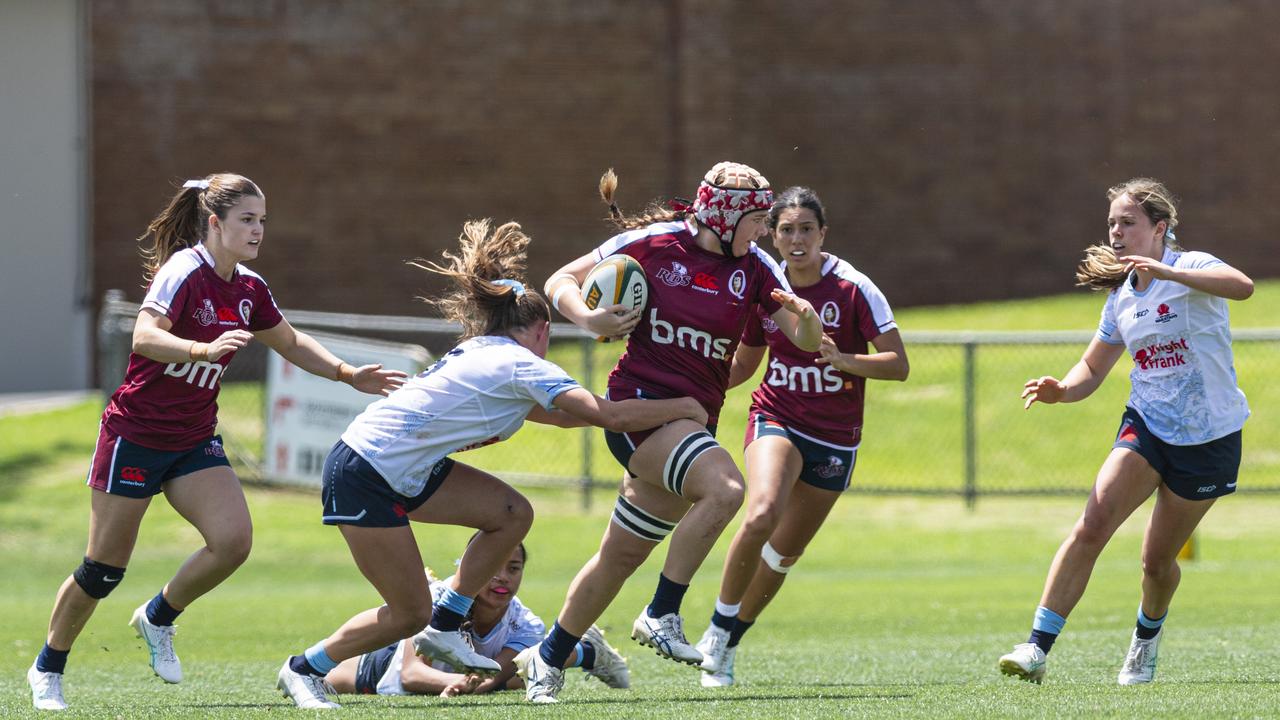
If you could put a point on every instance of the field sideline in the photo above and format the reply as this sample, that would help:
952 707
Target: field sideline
900 609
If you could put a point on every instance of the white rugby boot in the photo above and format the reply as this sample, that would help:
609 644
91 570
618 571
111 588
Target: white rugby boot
666 635
159 640
451 647
1140 662
611 668
46 689
714 643
541 681
306 691
724 676
1026 661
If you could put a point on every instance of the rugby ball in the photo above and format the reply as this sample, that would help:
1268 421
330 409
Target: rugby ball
616 280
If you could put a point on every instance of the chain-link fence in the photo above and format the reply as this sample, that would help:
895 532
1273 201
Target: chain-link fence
956 427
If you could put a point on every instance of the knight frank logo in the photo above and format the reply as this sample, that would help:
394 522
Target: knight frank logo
1161 355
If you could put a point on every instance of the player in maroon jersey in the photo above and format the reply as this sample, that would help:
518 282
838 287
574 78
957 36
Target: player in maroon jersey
805 421
706 278
157 432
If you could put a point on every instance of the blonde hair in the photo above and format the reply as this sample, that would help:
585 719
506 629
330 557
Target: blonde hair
653 213
182 223
1100 269
480 304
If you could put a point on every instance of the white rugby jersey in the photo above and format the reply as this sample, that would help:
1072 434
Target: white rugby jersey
476 394
518 629
1184 377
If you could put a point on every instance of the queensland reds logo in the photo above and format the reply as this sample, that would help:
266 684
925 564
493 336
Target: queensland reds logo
830 314
246 310
769 325
205 314
677 276
833 468
738 283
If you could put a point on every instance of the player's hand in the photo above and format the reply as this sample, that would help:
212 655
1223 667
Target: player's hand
374 380
228 342
829 353
694 411
794 304
464 686
1151 266
1047 390
613 322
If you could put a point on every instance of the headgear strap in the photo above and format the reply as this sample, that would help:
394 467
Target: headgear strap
720 208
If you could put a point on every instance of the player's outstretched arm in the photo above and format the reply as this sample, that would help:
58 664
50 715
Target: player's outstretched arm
307 353
1223 280
564 290
1081 380
626 415
798 321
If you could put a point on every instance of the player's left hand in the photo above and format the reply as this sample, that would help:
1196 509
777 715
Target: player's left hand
1151 266
374 380
795 305
465 686
829 352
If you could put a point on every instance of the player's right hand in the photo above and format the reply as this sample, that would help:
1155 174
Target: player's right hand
229 341
1047 390
613 322
694 411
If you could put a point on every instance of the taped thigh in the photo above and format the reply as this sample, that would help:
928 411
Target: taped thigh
689 449
636 521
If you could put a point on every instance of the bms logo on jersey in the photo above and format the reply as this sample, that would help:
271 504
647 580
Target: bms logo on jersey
664 333
804 379
201 374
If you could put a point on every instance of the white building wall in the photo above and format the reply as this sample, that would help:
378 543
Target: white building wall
45 327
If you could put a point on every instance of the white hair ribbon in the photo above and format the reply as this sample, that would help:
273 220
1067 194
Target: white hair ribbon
202 184
1169 234
513 284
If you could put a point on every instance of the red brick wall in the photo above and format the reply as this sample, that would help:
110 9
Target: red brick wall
962 148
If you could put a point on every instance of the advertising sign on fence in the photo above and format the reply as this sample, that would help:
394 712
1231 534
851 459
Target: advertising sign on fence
306 414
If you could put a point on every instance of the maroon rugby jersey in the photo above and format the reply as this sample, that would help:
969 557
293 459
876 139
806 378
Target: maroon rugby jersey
173 406
819 400
699 302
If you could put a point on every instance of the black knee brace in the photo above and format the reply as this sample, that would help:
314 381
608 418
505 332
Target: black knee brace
97 579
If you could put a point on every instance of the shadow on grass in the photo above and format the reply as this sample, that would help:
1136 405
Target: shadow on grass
19 468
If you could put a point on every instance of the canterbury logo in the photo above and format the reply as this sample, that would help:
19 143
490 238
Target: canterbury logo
133 474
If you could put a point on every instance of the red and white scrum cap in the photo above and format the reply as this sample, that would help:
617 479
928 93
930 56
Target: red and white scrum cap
727 192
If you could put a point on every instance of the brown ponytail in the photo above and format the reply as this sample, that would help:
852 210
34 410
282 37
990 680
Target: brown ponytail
654 213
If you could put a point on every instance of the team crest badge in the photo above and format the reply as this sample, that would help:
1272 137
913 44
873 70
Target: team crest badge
830 314
677 276
246 309
205 314
738 283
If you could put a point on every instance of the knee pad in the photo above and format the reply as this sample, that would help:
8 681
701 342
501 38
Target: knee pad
97 579
776 561
640 523
682 457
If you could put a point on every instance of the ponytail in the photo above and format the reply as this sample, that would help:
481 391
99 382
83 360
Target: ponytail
654 213
182 224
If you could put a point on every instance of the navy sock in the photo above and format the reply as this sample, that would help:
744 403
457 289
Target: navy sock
557 646
1043 639
442 618
667 598
299 664
586 655
740 628
724 622
50 660
160 612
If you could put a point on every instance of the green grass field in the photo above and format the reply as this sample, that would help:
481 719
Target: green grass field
899 609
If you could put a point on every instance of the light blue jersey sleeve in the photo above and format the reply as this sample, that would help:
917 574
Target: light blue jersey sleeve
528 630
1196 260
1108 332
541 381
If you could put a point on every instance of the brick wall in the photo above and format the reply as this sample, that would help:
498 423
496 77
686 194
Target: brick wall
962 148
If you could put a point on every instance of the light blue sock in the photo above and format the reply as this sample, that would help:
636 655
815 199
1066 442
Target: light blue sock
1048 621
319 659
451 600
1148 628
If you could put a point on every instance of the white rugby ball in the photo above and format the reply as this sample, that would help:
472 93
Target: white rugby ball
616 280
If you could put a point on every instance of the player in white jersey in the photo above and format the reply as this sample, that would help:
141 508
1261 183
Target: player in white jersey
158 430
392 465
499 627
1179 437
805 422
706 278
